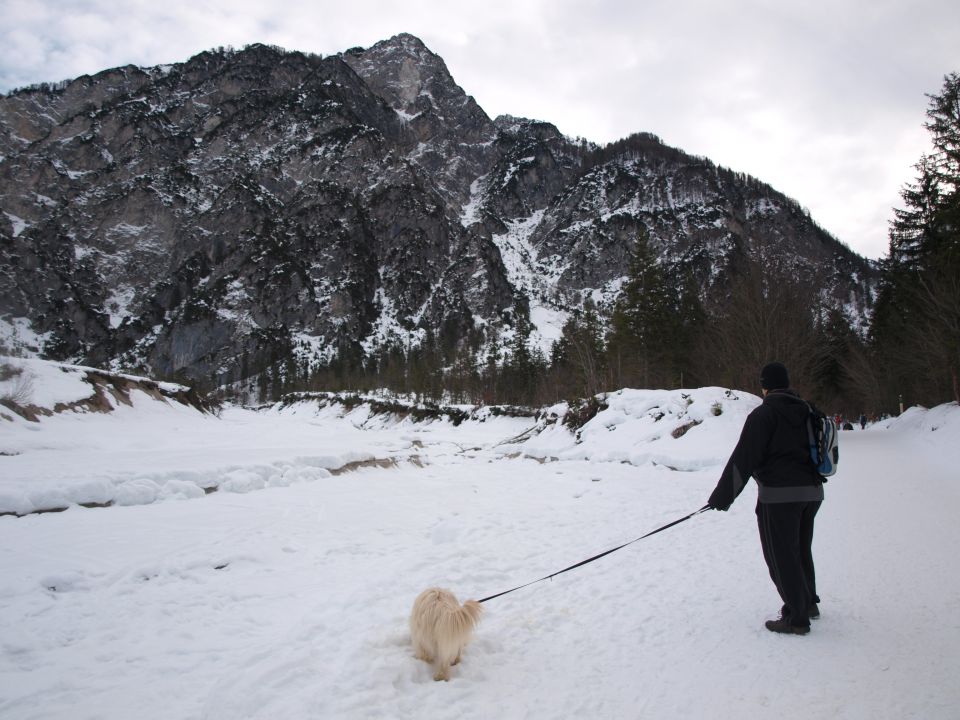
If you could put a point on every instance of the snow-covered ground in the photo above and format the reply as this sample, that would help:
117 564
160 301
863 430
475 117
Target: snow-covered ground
285 593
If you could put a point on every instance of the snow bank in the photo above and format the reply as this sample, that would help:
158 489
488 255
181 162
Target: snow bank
680 429
935 432
919 420
148 449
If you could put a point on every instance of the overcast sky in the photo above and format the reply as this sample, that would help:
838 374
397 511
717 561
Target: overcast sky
823 100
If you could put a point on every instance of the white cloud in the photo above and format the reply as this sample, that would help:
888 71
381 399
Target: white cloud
823 100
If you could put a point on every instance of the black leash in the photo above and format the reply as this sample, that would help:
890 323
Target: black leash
597 557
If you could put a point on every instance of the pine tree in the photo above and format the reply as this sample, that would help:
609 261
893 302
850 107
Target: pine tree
912 232
524 368
831 362
916 324
689 324
520 364
491 371
578 357
641 323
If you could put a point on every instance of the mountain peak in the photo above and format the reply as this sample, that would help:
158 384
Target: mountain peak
406 41
402 44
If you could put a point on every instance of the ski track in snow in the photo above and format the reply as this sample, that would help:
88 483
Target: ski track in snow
292 602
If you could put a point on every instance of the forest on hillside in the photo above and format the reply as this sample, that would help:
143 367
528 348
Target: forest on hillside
660 335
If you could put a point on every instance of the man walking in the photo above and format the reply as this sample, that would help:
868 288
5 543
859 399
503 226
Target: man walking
774 449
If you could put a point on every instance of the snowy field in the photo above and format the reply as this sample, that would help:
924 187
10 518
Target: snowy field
263 565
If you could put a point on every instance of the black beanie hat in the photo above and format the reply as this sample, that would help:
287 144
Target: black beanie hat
774 377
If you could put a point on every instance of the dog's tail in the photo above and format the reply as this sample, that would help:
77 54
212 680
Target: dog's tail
473 610
461 621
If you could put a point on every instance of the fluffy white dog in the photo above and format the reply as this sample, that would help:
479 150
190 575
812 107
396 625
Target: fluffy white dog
441 627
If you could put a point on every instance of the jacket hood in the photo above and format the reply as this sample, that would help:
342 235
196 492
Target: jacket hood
788 405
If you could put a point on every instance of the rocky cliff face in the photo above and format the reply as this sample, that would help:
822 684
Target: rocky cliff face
243 208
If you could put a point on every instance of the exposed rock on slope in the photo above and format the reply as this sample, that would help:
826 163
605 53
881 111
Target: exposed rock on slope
246 209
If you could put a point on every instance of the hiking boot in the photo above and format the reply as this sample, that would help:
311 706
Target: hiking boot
783 626
814 612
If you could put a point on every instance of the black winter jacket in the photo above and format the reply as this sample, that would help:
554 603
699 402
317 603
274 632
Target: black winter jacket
774 449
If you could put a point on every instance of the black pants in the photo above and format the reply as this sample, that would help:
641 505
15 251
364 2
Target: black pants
786 536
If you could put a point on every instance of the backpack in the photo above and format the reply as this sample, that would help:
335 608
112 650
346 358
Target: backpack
822 437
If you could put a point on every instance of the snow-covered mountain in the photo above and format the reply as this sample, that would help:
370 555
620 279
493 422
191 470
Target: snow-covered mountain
246 208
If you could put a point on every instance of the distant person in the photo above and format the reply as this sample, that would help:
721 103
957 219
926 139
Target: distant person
863 421
773 448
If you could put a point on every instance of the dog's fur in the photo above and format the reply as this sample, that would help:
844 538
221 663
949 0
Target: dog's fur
441 628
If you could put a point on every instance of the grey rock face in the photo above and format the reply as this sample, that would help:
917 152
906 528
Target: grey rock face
241 209
448 134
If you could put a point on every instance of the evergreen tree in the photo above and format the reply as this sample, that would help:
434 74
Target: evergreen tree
912 232
830 369
689 325
578 358
461 379
916 324
524 368
491 370
641 324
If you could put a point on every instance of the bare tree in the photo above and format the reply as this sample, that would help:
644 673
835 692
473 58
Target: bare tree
768 316
19 382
